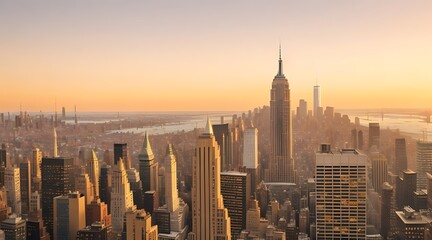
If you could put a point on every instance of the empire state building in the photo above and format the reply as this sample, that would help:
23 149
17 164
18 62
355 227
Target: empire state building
281 164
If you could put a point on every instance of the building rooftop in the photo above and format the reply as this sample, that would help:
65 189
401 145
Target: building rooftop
234 173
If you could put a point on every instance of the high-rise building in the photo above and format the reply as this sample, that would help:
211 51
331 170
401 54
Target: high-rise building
85 187
121 196
138 225
13 191
223 137
25 186
105 184
250 156
95 231
423 162
317 99
429 190
302 111
374 136
341 194
401 162
136 187
14 228
235 192
411 224
210 218
3 204
148 168
69 215
121 151
93 169
172 217
379 171
35 225
405 188
3 164
97 211
387 210
281 164
56 180
35 170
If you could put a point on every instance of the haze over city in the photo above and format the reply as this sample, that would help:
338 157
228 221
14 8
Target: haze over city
207 56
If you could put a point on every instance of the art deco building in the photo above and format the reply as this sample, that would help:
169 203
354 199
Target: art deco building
281 164
341 194
210 218
92 169
171 218
148 168
121 197
84 186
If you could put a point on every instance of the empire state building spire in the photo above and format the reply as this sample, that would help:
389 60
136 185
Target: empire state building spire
280 72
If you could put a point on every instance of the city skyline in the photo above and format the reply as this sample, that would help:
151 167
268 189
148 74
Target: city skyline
168 56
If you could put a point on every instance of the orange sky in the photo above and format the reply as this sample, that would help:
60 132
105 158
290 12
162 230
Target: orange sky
165 56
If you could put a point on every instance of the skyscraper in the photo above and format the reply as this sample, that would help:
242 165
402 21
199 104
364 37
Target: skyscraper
25 186
281 164
317 99
3 163
209 216
387 210
13 191
121 196
401 155
138 225
85 187
148 168
69 215
35 168
302 109
105 185
250 156
97 211
235 192
172 217
423 162
223 137
379 171
405 188
56 181
374 136
93 169
341 194
121 151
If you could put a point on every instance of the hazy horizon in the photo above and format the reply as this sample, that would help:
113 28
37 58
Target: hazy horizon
195 56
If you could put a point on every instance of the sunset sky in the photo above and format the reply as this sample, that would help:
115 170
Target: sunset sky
213 55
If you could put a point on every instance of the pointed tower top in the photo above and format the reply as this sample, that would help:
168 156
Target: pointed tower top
169 150
146 151
280 71
208 130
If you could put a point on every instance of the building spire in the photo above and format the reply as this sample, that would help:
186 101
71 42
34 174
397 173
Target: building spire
280 72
